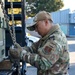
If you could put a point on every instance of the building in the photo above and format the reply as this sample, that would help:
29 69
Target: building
66 20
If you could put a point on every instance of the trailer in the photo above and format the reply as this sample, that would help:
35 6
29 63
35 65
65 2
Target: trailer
6 38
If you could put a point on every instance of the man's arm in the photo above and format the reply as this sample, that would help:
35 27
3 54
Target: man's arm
47 56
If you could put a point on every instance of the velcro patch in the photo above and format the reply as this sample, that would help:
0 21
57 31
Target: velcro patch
47 49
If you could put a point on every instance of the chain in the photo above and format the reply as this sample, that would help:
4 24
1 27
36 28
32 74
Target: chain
12 32
13 21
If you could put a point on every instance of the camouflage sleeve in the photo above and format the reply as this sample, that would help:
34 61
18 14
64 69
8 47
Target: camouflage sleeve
33 48
47 55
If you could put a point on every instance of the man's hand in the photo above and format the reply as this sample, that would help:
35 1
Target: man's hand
16 51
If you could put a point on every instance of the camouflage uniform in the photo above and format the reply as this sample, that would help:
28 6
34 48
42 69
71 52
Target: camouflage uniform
50 54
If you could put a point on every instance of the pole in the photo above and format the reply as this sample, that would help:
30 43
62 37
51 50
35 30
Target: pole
23 35
23 24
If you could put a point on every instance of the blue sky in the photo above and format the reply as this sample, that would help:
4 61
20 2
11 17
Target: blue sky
69 4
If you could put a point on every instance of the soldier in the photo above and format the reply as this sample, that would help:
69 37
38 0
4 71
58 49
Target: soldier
50 54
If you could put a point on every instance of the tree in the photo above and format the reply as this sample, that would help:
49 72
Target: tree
47 5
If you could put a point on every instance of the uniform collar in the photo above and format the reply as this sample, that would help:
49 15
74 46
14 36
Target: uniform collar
53 29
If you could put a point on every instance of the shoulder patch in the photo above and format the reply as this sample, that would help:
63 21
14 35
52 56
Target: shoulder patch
47 49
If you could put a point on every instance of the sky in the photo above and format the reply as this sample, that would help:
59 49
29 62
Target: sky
69 4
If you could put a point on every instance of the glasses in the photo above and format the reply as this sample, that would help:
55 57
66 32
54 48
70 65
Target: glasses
36 25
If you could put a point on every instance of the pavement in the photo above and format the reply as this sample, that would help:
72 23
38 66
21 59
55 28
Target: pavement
71 42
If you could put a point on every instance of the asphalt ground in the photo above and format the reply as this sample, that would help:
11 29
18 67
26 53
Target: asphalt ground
71 43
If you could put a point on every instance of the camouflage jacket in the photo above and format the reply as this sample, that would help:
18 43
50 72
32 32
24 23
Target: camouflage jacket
50 54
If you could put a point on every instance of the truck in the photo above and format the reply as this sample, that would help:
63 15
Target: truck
6 39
